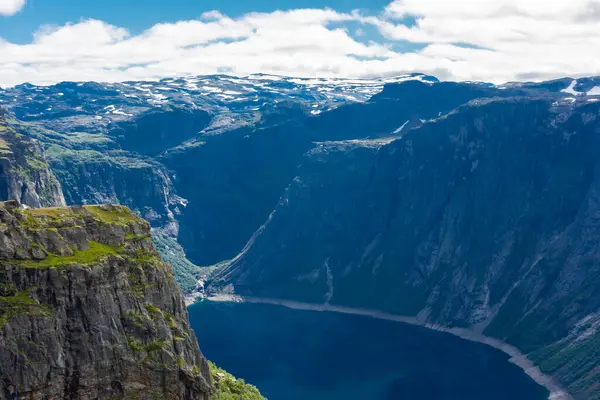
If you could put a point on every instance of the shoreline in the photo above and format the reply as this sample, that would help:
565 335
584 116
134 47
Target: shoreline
557 392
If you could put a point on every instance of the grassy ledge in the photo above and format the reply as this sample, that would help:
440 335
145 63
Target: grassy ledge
97 252
114 215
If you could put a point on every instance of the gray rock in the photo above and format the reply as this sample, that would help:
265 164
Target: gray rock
24 173
89 311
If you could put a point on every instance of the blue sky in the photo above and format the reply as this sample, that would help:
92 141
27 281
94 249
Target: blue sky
138 15
47 41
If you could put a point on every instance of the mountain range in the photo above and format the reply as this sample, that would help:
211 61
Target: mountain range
464 204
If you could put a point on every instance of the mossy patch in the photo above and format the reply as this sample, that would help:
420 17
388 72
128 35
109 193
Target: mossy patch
137 318
230 388
96 253
154 311
4 148
134 238
149 347
139 291
108 214
20 304
144 256
170 320
53 212
113 214
36 163
36 219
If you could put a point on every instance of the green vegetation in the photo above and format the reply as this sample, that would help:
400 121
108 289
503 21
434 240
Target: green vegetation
4 147
139 291
576 362
55 218
144 256
156 312
187 273
96 253
113 214
170 320
230 388
35 162
63 154
137 318
153 310
20 304
51 212
149 347
133 237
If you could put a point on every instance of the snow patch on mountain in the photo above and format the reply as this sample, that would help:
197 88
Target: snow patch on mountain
571 88
595 91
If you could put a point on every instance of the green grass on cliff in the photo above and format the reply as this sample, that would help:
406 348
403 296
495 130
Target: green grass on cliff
3 145
20 304
114 215
230 388
148 347
106 214
97 252
51 218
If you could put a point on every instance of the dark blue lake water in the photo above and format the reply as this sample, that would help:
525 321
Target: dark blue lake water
293 355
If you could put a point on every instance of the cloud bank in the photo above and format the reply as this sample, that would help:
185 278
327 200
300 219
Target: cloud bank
11 7
484 40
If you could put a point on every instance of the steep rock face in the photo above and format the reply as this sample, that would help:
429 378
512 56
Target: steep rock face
89 311
234 180
486 218
228 146
24 173
157 131
104 177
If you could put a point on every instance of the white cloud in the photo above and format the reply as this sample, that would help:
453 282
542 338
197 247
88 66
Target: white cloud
11 7
508 39
487 40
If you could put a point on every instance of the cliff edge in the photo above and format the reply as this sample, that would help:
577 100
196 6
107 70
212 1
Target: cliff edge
89 311
25 174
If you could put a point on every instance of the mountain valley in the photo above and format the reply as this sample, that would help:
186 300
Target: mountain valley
465 205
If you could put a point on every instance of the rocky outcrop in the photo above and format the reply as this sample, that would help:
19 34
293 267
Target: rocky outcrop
89 311
24 173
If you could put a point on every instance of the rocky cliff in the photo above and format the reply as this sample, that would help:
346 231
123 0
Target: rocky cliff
24 173
465 204
89 311
486 218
